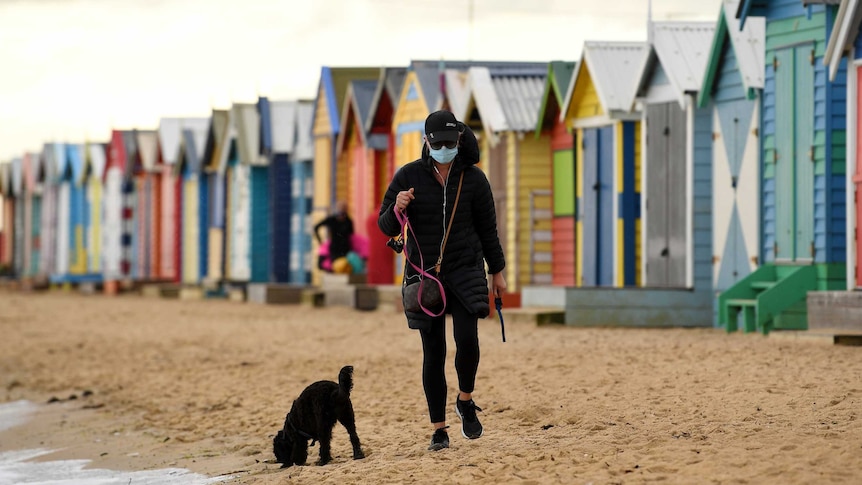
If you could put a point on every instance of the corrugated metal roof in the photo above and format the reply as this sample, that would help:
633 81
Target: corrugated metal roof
614 67
283 118
212 153
133 159
53 160
194 133
5 179
363 94
749 45
227 139
148 148
169 139
17 173
304 149
387 94
683 50
97 159
263 109
508 98
843 35
247 124
75 155
458 92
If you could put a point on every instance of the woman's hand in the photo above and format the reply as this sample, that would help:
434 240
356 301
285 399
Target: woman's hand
403 199
498 284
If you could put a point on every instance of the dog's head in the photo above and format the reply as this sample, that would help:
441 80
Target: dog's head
282 446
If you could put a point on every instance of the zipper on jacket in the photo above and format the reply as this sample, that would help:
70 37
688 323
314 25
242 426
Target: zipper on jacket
445 194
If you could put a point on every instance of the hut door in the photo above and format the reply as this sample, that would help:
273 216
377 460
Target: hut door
666 196
597 210
857 177
497 179
794 157
735 179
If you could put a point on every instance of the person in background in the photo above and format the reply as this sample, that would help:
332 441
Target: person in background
425 191
339 227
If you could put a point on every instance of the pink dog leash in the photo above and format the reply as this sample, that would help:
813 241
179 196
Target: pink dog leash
406 226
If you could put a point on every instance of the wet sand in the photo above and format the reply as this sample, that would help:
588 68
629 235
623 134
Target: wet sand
204 385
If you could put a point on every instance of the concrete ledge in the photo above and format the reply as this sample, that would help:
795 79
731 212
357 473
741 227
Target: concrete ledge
834 310
313 297
275 293
638 307
828 336
535 315
191 293
543 296
389 299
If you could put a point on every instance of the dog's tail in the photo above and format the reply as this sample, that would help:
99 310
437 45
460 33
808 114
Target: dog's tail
345 379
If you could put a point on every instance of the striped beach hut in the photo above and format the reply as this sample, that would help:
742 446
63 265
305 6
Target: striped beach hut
502 110
219 142
550 124
598 108
845 42
732 86
189 171
148 197
803 198
677 167
330 176
94 173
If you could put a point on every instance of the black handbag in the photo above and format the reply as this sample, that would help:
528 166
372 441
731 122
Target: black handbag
431 296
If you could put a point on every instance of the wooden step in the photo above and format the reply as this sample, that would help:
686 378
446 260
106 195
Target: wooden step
741 302
763 285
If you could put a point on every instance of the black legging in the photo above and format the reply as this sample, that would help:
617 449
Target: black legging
465 327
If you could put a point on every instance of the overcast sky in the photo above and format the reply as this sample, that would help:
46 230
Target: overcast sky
71 70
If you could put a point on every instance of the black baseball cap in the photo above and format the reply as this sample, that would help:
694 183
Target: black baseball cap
441 126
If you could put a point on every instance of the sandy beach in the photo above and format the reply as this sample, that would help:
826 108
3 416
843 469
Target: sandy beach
142 383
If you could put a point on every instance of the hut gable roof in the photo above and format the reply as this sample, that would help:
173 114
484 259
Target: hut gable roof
613 68
749 47
682 51
844 33
553 93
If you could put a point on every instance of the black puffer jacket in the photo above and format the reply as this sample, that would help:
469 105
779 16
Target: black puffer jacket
473 238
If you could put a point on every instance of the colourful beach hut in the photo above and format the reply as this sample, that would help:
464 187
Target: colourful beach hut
218 145
148 200
77 202
803 189
94 173
189 171
54 231
246 172
118 208
7 219
20 227
502 109
599 111
732 86
677 167
170 197
550 124
380 267
845 42
33 177
330 177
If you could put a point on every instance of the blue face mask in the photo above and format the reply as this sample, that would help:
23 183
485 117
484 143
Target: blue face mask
443 155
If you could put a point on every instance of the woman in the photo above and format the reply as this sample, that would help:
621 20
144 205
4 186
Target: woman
426 191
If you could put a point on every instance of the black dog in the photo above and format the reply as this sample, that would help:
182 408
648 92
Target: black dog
313 416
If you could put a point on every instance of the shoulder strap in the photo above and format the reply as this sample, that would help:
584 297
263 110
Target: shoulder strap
449 227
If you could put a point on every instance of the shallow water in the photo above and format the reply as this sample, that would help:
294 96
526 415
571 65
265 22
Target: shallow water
17 467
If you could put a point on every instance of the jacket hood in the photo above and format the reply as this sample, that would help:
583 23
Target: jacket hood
468 149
